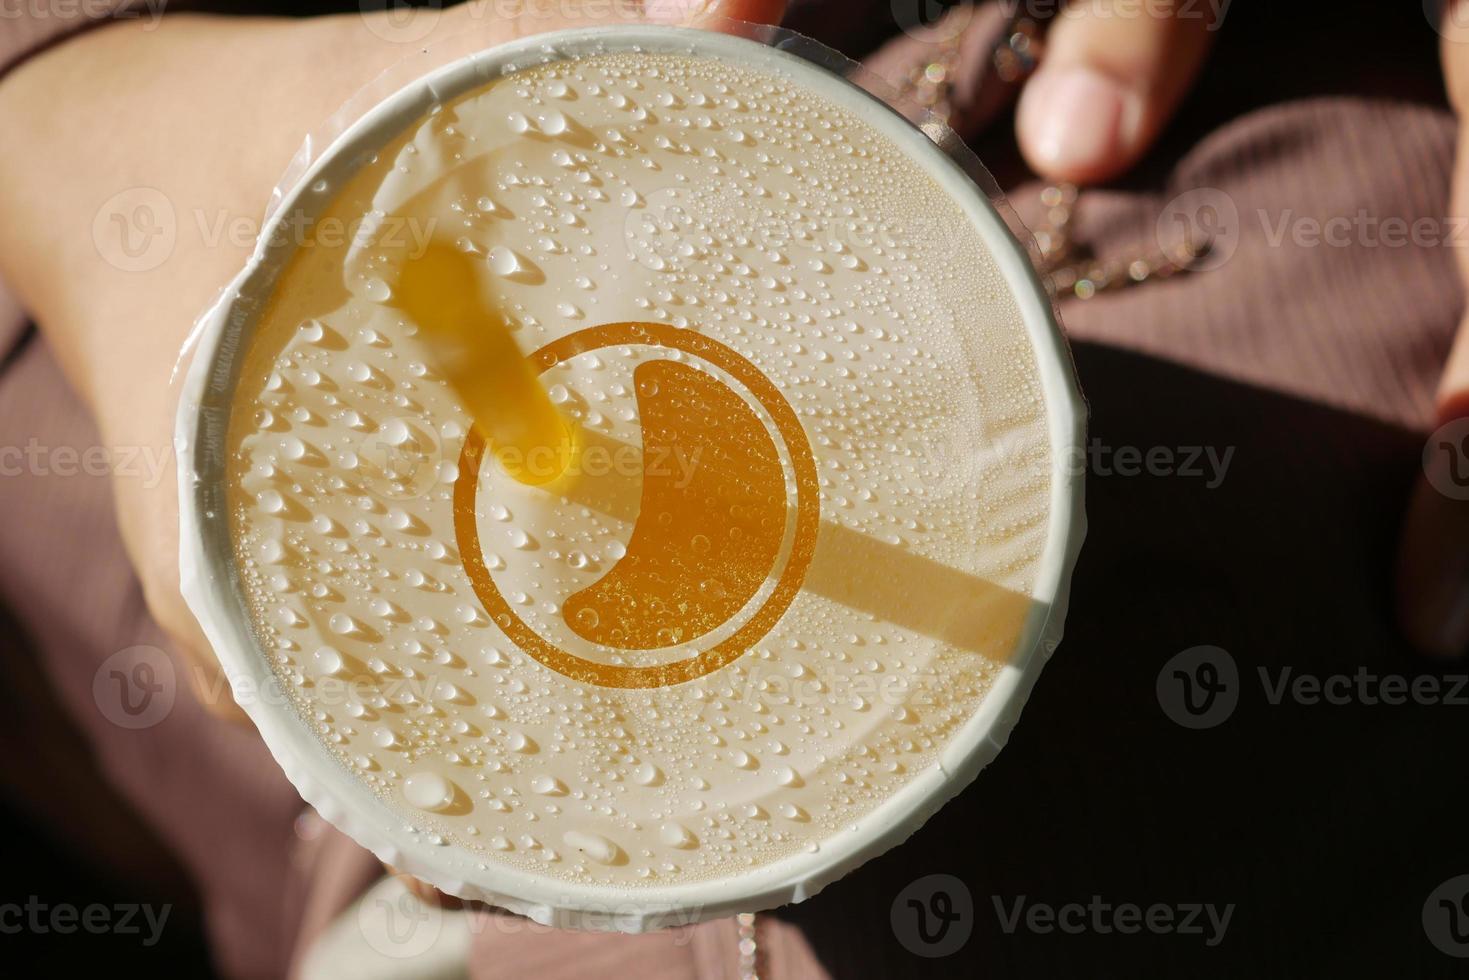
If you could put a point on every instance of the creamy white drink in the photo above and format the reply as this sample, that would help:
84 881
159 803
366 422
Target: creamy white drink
799 532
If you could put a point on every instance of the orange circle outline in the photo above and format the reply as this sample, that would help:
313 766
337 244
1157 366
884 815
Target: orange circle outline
808 514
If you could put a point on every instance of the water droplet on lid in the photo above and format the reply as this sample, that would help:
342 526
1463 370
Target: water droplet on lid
504 261
377 290
547 785
396 432
328 660
520 742
677 835
428 791
342 624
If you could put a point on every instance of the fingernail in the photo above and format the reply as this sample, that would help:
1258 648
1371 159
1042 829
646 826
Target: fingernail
1076 120
673 11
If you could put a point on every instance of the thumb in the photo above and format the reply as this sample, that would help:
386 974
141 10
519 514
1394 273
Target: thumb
1112 74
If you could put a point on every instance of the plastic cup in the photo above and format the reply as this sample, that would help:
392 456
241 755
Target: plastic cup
211 583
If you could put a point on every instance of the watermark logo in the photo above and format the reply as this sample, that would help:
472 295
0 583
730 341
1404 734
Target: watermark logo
135 688
135 230
1204 223
400 22
1199 688
655 225
1446 459
409 454
933 916
932 21
1446 917
396 922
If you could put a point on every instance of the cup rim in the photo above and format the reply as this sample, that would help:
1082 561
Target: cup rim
211 590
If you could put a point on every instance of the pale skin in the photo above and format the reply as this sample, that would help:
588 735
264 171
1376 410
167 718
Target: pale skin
210 110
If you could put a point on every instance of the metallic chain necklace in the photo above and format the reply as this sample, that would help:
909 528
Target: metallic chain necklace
745 922
1013 59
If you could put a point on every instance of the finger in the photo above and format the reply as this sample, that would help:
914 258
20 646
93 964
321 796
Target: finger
423 891
207 679
1433 556
1112 74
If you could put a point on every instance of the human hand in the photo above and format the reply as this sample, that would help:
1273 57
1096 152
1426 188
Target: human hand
198 118
1111 74
1433 558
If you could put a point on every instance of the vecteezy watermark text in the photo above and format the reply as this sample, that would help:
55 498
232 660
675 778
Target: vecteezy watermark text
941 457
1102 917
1362 229
1200 687
138 228
73 11
35 458
63 918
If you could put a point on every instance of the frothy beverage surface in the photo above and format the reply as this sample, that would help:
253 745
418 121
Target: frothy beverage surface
806 501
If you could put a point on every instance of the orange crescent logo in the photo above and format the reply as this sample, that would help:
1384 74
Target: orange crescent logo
699 551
